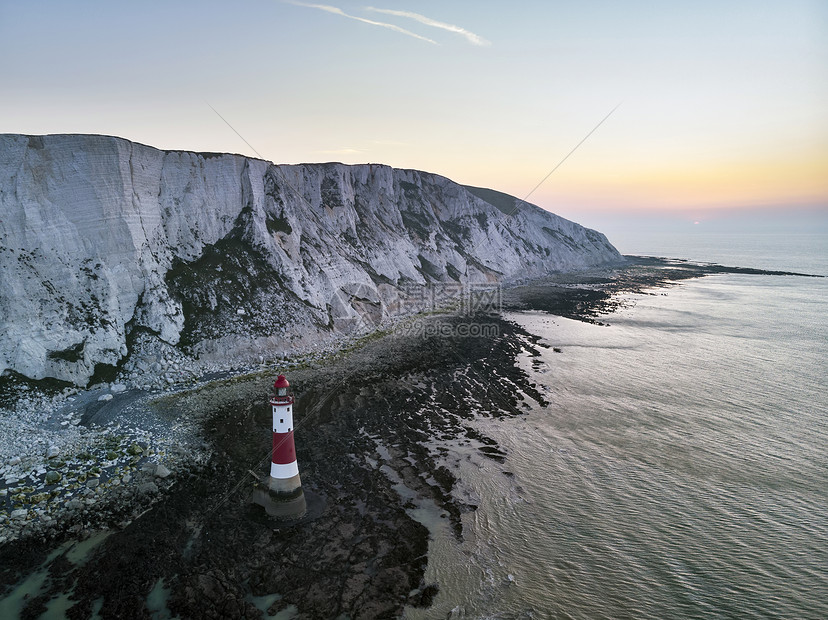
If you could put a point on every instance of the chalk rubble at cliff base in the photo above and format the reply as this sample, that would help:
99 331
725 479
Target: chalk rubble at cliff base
58 464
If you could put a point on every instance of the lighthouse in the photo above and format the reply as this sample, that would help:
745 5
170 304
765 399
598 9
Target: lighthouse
285 498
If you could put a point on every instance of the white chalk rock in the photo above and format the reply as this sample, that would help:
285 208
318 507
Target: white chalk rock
161 471
128 233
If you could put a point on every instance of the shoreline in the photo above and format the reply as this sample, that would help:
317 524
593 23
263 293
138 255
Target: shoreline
377 407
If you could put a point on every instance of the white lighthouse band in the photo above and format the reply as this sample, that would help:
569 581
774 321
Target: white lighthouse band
282 415
288 470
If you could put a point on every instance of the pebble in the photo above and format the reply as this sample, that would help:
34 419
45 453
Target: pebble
118 388
105 397
15 461
52 452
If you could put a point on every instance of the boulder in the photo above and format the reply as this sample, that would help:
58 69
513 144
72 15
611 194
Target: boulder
161 471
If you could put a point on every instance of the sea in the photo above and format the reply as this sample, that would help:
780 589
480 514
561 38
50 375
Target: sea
681 467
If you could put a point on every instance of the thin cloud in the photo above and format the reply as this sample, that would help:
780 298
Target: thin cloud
470 36
337 11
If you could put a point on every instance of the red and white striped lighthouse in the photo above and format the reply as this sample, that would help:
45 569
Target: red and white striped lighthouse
284 484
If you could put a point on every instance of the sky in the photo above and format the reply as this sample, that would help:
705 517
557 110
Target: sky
685 112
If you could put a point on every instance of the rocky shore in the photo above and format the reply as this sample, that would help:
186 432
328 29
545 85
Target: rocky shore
157 485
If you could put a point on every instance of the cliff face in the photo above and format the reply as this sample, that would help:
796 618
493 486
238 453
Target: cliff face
100 237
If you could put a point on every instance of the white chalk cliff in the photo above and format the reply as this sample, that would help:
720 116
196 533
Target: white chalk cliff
220 253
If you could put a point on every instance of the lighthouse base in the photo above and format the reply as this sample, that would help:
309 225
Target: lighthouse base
285 486
282 498
283 517
284 509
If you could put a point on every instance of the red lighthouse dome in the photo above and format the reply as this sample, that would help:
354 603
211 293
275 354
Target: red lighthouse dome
281 392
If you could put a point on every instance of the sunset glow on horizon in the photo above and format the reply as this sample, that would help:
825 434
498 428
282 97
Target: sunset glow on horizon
722 105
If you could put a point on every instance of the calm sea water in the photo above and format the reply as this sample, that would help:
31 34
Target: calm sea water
681 470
